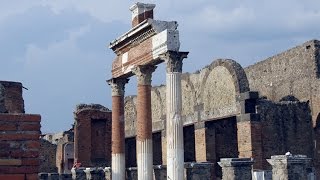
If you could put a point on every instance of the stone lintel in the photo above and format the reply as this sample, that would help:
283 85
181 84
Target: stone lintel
252 117
173 60
235 162
157 26
117 86
144 73
249 95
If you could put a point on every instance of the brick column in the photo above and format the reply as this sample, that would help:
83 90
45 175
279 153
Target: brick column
200 142
290 167
236 168
249 129
144 122
174 126
118 135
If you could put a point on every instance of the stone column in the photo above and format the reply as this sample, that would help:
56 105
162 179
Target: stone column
236 168
249 129
118 135
289 167
144 122
174 126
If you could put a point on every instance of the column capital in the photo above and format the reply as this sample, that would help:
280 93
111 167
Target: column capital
144 73
117 86
173 60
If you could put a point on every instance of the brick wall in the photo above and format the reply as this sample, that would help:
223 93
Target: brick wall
92 135
19 146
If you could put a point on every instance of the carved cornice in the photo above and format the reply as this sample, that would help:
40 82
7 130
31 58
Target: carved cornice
144 73
173 60
117 86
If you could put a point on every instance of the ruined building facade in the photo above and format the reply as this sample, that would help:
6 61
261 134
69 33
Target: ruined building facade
268 108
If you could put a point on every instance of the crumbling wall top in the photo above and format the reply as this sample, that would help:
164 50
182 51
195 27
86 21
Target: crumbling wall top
85 107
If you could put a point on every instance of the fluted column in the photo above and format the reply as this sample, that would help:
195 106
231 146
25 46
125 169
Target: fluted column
174 126
117 134
144 122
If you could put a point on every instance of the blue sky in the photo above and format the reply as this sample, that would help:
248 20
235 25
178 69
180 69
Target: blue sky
58 49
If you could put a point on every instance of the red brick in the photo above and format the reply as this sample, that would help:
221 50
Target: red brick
30 162
32 177
10 137
8 127
24 154
12 177
10 162
29 127
20 117
33 144
20 169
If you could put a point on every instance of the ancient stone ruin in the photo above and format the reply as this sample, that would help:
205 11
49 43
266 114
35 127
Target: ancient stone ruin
19 135
221 122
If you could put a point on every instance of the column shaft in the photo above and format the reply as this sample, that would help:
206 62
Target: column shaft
117 132
118 136
144 122
174 124
175 151
144 133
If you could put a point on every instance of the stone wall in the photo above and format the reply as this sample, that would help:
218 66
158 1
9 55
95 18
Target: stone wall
92 136
47 156
293 72
286 127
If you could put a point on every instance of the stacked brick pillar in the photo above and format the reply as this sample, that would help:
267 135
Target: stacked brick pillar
249 129
144 122
19 135
117 131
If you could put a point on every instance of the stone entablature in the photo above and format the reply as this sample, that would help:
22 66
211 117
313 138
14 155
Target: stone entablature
143 44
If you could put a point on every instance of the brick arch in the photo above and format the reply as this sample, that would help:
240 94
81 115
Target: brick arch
238 74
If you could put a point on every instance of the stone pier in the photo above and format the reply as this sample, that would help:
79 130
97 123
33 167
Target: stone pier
144 122
289 167
174 126
118 135
236 168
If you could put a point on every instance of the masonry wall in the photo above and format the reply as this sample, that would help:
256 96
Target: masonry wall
286 127
293 72
19 146
92 137
11 100
47 156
